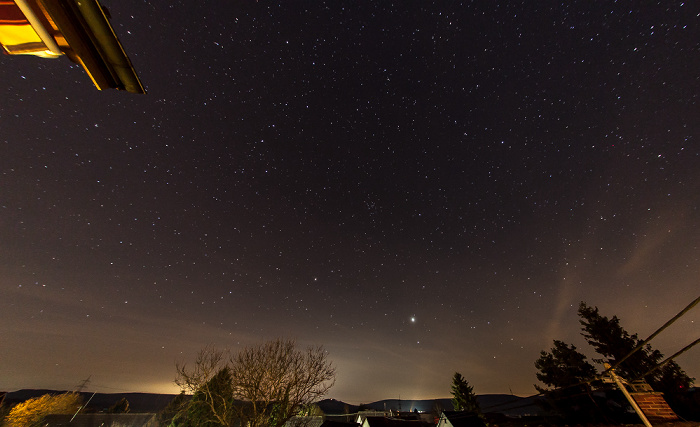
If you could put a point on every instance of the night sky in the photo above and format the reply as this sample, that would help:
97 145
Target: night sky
421 187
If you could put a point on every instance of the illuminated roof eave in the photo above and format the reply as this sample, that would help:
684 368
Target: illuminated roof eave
80 29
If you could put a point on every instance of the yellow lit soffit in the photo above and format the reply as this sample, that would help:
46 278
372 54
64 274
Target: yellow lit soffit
81 27
21 32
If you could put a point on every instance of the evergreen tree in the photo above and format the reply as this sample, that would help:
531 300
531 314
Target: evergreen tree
562 367
463 396
672 378
213 404
171 414
613 342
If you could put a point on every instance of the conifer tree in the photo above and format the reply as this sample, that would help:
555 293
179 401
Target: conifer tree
563 366
613 342
463 396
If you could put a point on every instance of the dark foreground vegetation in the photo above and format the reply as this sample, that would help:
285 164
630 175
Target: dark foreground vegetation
498 410
277 384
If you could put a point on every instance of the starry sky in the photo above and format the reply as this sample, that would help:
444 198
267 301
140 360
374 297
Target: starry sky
421 187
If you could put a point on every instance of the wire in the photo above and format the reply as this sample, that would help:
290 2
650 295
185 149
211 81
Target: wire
678 353
652 336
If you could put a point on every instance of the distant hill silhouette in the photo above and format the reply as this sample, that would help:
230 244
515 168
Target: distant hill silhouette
500 403
152 403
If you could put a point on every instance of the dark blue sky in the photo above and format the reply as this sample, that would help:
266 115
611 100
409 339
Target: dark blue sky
327 171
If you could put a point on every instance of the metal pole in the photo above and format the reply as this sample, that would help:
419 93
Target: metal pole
85 405
624 391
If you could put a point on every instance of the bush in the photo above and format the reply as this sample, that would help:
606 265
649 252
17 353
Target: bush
31 412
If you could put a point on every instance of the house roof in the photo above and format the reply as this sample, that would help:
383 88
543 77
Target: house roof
392 422
463 419
101 420
78 29
308 421
333 423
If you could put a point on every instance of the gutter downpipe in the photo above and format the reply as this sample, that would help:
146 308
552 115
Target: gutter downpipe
38 27
109 45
